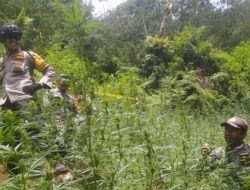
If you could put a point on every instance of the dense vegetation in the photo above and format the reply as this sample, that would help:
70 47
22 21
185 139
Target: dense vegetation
158 77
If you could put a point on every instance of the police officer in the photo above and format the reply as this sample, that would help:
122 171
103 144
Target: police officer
19 87
16 71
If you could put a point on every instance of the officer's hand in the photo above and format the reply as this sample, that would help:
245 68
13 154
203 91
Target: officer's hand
244 159
205 150
32 88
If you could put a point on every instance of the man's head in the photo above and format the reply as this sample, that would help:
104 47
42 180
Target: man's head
235 131
63 82
10 36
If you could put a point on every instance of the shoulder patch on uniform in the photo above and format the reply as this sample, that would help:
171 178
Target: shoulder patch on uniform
34 55
40 64
20 55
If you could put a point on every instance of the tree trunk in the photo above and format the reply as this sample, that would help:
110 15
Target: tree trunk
166 13
145 27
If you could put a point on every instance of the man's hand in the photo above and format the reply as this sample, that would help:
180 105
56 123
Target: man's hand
244 159
205 150
31 89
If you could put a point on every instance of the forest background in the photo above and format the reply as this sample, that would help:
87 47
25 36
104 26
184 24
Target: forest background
160 75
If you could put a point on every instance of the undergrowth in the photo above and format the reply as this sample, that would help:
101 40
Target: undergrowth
120 143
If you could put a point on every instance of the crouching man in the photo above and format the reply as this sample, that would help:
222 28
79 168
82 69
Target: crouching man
236 150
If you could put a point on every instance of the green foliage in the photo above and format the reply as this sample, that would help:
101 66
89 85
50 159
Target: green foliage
127 84
234 76
33 16
246 184
66 61
228 25
188 89
188 51
241 55
157 52
2 50
195 51
123 137
192 13
78 30
220 82
9 10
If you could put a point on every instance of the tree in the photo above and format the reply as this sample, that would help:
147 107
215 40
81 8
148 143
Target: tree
192 12
78 29
230 23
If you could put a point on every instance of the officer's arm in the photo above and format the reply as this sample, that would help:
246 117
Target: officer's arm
42 66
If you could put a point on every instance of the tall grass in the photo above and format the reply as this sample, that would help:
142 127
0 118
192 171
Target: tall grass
126 144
